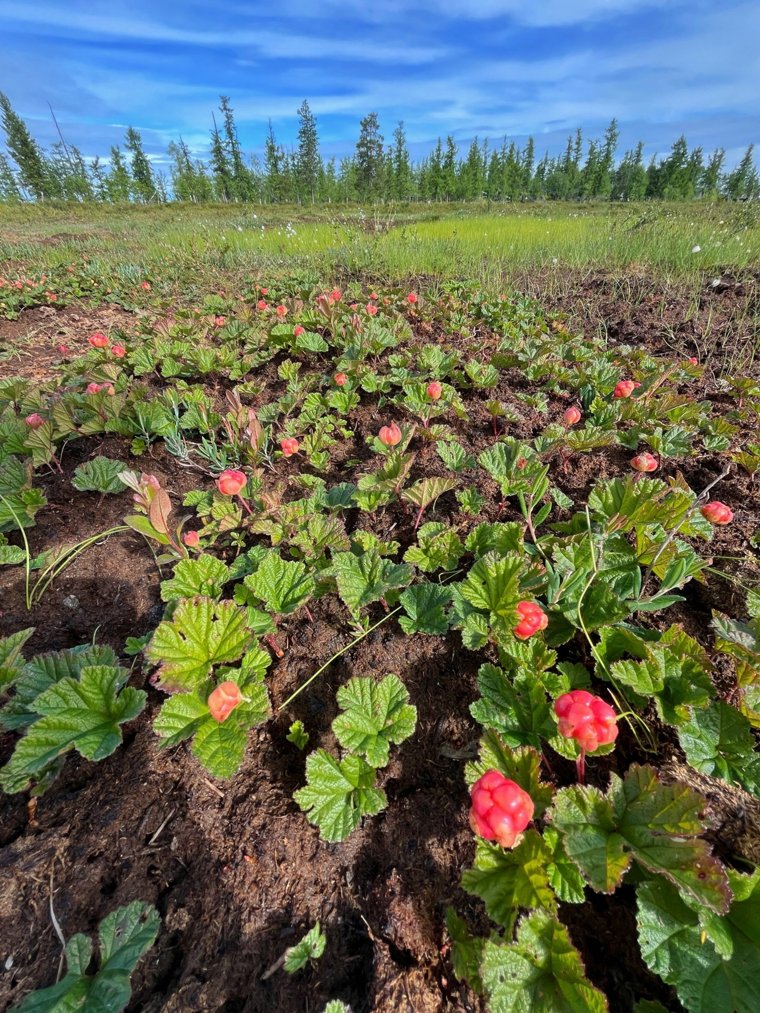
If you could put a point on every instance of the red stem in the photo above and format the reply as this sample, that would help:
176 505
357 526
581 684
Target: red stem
269 639
580 766
245 504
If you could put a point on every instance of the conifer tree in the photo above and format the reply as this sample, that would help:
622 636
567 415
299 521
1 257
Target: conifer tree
526 168
742 183
220 166
709 185
402 169
118 181
308 162
369 158
449 169
240 186
143 183
33 173
9 190
272 167
630 178
99 182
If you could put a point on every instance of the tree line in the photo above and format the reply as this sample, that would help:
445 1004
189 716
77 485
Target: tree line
375 171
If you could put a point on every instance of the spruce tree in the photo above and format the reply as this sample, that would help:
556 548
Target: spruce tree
272 167
308 162
143 183
436 182
33 173
99 182
369 158
606 166
118 181
220 166
630 178
742 183
402 168
240 175
526 168
181 171
348 180
9 190
472 173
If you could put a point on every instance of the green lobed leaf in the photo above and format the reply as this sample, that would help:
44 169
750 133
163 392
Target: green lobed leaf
564 876
84 715
17 495
718 740
501 538
180 717
466 950
203 575
640 818
541 972
320 535
628 502
338 793
742 642
11 659
282 586
675 672
298 735
220 745
508 880
425 608
376 714
10 555
516 708
438 548
493 584
678 944
311 947
427 491
200 634
367 578
454 456
43 671
125 936
101 474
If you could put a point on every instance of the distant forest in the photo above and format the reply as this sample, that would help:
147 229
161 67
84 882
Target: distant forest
375 172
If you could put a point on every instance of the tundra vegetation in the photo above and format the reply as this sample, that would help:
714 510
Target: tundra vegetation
380 618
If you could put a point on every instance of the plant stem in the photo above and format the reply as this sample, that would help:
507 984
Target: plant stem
67 557
335 656
269 639
245 504
27 558
580 766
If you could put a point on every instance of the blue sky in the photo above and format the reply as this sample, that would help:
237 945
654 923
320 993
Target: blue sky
485 67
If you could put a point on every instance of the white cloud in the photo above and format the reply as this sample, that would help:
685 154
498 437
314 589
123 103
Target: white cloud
268 42
532 13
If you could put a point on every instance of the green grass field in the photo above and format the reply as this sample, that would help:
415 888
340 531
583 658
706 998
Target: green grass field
491 243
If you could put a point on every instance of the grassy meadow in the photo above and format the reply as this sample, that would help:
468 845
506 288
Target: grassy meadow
493 244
